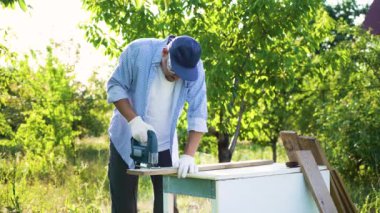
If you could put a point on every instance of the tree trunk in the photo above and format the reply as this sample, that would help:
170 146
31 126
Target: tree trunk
224 153
274 149
237 130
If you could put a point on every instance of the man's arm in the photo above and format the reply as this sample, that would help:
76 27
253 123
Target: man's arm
197 99
193 142
186 163
120 81
196 118
139 128
125 109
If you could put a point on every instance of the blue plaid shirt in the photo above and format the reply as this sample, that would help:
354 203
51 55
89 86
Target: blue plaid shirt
132 80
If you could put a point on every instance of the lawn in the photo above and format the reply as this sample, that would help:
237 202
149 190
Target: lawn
82 186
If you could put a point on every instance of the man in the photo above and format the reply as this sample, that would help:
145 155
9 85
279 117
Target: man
149 88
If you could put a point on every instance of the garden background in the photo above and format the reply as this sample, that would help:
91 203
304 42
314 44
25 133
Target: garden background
270 65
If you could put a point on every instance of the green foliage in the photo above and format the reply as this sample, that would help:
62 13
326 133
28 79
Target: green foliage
276 63
344 12
209 145
81 186
43 113
271 60
253 53
340 106
350 118
347 10
11 4
372 201
94 111
8 115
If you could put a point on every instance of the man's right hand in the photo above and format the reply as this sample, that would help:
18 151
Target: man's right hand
139 129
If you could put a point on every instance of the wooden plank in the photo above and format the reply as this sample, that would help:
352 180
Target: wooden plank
206 167
315 181
290 141
310 143
345 202
349 205
336 195
323 155
346 207
347 197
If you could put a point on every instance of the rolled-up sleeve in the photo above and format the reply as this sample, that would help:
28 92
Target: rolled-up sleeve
120 81
197 99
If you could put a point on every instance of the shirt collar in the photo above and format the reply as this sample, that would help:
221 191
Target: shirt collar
158 54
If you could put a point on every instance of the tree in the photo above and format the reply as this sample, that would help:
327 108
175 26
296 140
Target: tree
37 112
347 10
93 109
251 53
342 104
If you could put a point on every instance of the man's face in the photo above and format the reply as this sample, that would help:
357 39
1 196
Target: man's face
165 66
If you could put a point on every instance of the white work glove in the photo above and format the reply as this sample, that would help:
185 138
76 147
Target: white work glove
186 164
139 129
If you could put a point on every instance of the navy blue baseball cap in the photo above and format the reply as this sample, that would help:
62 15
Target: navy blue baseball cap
185 53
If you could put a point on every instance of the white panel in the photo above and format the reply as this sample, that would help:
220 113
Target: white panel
245 172
277 193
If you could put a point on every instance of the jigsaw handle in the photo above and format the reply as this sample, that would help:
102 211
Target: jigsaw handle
152 147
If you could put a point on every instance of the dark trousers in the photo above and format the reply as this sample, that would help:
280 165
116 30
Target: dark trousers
123 187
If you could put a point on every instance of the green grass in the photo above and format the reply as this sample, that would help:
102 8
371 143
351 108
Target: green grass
249 151
82 186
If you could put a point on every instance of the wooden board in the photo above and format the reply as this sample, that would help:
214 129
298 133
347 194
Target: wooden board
335 194
290 141
341 196
206 167
315 182
310 143
342 192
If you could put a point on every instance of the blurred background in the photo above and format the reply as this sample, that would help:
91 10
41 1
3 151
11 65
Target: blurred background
308 66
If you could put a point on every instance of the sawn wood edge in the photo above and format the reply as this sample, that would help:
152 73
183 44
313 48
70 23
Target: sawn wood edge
205 167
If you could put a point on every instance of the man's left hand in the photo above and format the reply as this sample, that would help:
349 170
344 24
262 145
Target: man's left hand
186 164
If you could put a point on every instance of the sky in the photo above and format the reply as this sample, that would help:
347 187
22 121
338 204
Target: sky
58 20
359 2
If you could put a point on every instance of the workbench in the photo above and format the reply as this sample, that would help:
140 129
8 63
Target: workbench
267 188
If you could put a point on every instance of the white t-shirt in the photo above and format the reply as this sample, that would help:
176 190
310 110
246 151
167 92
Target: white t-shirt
160 107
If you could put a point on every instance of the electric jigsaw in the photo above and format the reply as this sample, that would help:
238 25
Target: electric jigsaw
145 155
